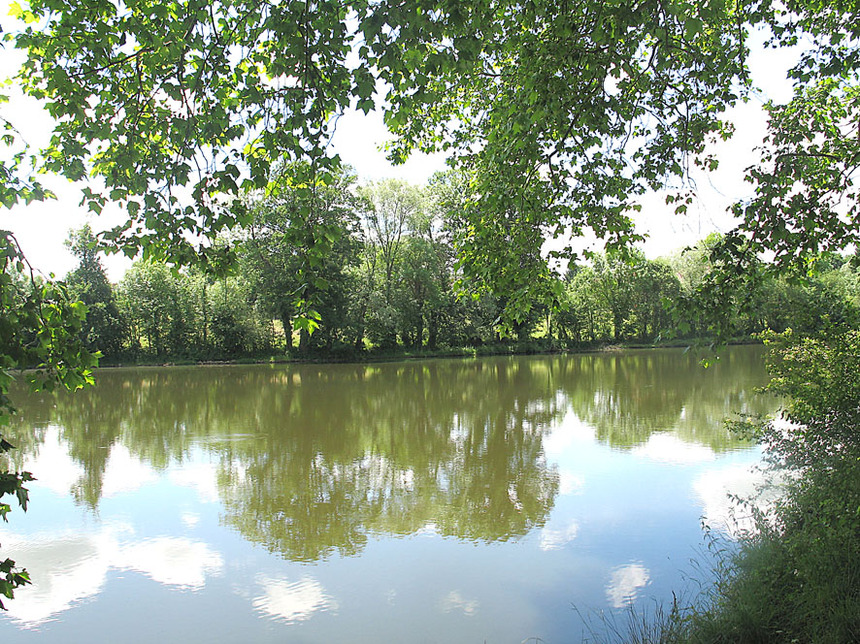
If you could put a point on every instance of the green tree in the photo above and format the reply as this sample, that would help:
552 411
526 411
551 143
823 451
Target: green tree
584 315
419 294
657 289
103 329
390 212
299 246
237 325
564 115
618 298
158 304
614 279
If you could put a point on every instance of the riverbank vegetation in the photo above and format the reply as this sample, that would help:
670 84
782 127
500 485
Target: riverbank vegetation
795 575
389 287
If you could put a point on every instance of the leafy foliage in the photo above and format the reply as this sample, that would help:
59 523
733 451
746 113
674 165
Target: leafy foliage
796 578
300 243
39 330
561 115
818 378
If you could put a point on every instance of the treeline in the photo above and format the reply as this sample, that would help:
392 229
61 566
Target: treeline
335 269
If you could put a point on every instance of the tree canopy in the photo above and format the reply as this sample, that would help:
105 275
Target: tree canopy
562 113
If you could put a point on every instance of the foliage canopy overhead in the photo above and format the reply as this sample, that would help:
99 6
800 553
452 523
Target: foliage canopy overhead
561 114
567 110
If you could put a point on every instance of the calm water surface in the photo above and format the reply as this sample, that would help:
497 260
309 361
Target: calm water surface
434 501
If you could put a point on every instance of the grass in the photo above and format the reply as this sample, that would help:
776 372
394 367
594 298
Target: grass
796 580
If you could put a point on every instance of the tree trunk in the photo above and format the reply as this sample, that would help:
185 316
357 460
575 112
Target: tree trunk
359 335
288 330
433 330
617 323
304 341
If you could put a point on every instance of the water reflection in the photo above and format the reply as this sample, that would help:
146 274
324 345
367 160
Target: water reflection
308 461
629 396
69 568
291 602
576 475
313 459
731 496
669 448
551 539
455 602
625 584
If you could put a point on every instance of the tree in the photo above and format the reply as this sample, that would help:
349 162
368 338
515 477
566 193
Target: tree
564 113
158 305
805 186
103 329
618 298
658 287
391 208
418 296
614 282
299 245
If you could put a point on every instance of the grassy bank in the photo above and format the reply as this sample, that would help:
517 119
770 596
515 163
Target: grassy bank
796 578
796 581
344 354
349 354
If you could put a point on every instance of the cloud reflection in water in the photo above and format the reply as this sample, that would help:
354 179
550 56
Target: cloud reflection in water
67 569
292 601
551 539
625 584
454 601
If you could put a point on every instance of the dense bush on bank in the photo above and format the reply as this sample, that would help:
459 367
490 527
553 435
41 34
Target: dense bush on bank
796 577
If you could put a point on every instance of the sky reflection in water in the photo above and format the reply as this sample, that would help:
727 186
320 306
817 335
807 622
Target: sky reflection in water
441 500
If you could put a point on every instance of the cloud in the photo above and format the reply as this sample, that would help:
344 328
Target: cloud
719 491
570 483
173 561
202 477
125 473
551 539
190 519
56 470
65 570
666 448
570 431
69 568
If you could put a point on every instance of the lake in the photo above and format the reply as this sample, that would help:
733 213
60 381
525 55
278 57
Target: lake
478 500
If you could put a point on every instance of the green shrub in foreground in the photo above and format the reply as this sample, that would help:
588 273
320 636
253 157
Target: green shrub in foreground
797 578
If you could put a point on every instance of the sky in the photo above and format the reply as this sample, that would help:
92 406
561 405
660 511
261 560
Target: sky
42 228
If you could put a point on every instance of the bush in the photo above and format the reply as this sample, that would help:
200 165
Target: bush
797 578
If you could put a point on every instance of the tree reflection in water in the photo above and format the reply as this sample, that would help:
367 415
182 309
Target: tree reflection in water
315 459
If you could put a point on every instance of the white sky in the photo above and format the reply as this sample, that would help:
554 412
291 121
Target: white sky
42 228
